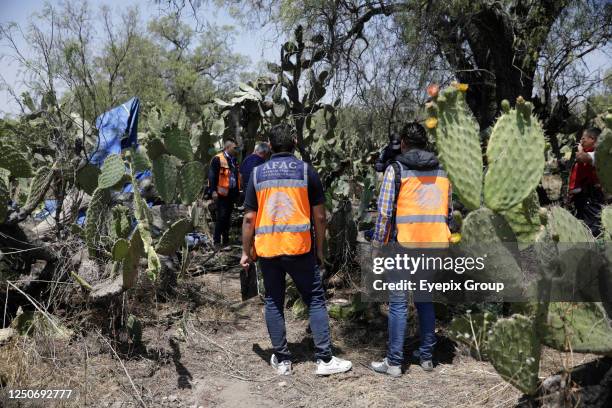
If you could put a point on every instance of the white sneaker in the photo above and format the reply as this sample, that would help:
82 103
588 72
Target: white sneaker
282 368
334 366
385 368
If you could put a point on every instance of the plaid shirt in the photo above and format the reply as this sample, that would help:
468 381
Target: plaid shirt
386 200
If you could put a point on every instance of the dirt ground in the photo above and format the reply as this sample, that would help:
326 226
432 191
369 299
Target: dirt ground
215 354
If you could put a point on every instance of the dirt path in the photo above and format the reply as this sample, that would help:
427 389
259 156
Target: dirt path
217 356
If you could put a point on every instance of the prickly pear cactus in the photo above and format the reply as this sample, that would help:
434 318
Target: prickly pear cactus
603 158
96 215
112 171
120 226
131 261
483 225
4 199
456 136
140 159
514 350
580 327
120 249
87 178
566 228
174 237
165 177
516 158
524 218
606 223
472 330
143 216
190 181
177 143
155 148
14 161
39 186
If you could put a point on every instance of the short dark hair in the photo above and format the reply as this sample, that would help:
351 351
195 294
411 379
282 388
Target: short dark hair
282 138
413 134
594 132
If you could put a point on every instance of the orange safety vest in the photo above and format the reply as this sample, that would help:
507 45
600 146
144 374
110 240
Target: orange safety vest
282 226
422 207
223 181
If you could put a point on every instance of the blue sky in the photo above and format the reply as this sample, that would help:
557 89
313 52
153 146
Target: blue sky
259 44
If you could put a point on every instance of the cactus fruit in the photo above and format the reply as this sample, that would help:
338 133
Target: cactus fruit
112 171
39 186
514 350
516 159
524 218
132 260
14 161
458 144
473 331
603 160
505 106
177 143
165 176
580 327
96 214
190 181
87 178
174 237
566 228
120 249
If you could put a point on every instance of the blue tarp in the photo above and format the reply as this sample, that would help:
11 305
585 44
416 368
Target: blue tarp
117 129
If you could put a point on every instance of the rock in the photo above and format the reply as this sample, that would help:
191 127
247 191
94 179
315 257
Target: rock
106 289
282 384
172 398
6 335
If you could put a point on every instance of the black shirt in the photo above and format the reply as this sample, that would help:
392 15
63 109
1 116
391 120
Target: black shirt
316 196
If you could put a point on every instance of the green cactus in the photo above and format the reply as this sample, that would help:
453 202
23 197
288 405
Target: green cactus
120 249
87 178
4 199
606 223
473 331
112 171
524 218
14 161
483 225
190 181
514 350
165 177
95 216
177 143
579 327
134 329
174 237
516 159
144 218
566 228
155 148
140 159
120 223
39 186
603 160
132 260
458 143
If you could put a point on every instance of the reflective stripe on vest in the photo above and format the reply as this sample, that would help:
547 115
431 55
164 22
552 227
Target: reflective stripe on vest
422 207
282 226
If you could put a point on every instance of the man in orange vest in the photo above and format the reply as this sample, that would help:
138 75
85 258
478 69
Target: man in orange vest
224 187
283 198
413 209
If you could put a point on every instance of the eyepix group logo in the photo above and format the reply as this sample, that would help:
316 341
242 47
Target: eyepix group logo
429 196
280 207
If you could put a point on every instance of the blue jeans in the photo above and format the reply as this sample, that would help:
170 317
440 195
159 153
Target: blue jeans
397 328
304 271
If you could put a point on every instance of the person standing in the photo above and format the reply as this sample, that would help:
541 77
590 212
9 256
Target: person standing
259 156
224 187
283 196
413 208
584 188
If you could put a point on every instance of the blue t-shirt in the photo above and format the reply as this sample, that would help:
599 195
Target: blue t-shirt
247 166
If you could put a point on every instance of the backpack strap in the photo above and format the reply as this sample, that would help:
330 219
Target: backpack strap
397 169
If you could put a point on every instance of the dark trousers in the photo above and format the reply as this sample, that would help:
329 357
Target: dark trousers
304 271
589 203
224 207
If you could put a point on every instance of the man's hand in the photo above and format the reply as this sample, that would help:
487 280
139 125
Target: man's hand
246 260
320 257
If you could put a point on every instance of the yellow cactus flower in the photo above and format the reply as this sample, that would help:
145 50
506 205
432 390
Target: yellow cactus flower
431 123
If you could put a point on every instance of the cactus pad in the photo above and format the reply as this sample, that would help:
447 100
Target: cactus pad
131 261
174 237
120 223
564 227
580 327
96 214
120 249
14 161
4 199
165 176
155 148
39 186
177 143
606 222
473 331
603 160
144 218
87 178
514 350
140 159
112 171
191 181
524 218
458 143
483 225
516 160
